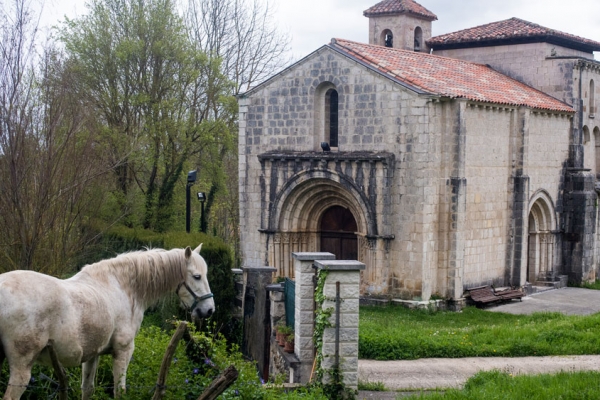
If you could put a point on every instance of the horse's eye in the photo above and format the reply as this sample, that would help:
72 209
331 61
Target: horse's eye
197 277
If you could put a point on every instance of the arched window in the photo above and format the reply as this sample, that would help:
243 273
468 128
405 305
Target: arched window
326 110
331 116
540 252
592 109
418 39
589 149
387 38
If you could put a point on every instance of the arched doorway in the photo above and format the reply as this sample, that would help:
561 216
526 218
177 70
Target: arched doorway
338 233
540 253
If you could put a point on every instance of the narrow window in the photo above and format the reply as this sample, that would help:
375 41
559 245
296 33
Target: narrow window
596 152
418 38
331 115
592 109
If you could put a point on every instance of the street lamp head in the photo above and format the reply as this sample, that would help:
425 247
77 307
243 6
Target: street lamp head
201 197
191 177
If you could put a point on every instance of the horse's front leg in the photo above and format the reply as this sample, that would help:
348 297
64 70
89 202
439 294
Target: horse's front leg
20 374
88 377
120 363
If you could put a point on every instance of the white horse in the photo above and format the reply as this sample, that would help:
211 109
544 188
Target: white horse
97 311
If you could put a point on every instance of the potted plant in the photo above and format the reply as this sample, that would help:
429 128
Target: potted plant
279 332
289 342
283 331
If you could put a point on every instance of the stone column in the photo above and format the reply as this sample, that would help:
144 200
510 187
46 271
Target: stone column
305 311
344 351
579 220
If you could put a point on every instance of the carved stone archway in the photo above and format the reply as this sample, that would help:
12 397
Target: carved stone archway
300 217
297 188
541 239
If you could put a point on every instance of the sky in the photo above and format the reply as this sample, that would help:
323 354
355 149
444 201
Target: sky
313 23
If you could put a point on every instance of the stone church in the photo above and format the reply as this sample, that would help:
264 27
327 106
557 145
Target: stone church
442 163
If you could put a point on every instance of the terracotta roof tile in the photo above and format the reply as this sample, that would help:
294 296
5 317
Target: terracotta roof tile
387 7
449 77
513 29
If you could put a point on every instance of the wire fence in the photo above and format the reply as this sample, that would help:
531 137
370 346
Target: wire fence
52 389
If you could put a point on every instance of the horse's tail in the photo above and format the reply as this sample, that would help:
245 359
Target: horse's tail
2 354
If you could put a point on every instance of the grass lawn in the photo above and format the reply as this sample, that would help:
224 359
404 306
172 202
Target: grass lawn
586 285
396 333
495 385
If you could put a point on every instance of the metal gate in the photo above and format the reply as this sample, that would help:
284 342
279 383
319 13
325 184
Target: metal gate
289 289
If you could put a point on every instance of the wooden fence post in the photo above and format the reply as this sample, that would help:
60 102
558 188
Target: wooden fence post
161 389
220 384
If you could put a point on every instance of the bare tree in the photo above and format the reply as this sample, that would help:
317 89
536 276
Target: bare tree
46 159
242 34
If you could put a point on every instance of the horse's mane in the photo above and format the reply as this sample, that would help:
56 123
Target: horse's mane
146 275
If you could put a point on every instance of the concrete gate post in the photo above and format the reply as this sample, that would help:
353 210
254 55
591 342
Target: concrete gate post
304 312
345 351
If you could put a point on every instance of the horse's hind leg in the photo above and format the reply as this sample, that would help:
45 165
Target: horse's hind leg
2 355
88 376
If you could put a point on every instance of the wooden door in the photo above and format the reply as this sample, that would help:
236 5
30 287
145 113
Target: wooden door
338 233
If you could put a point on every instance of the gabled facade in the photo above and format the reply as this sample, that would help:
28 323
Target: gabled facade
437 172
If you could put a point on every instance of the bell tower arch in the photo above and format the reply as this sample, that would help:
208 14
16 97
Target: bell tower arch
401 24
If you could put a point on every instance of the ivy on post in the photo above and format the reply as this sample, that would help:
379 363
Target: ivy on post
337 364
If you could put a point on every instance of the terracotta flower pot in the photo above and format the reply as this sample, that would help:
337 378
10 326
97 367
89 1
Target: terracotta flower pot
280 337
289 346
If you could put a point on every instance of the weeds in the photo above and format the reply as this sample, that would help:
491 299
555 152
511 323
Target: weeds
371 386
496 385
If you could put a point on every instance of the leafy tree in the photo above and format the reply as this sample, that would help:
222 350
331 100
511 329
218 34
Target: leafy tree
155 92
243 35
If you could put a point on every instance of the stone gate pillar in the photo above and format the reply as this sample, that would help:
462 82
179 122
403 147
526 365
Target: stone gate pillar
255 340
304 314
340 343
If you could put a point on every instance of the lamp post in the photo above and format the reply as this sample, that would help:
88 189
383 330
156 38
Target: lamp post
202 199
191 179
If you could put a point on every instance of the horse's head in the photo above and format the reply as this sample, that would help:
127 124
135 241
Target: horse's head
194 291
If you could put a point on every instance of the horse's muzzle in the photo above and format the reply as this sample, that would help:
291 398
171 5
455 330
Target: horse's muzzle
198 313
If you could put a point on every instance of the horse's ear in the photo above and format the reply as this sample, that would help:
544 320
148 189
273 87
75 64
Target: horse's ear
188 252
198 248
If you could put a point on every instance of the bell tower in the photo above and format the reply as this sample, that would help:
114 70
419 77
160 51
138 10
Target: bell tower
401 24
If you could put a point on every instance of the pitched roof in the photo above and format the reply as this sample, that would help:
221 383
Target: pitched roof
449 77
513 30
391 7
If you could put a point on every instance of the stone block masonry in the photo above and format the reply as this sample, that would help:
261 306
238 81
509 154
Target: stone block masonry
340 341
